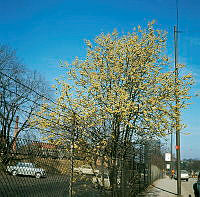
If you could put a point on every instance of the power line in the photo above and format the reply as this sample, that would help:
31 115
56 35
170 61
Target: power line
55 123
28 112
38 95
42 117
17 81
32 101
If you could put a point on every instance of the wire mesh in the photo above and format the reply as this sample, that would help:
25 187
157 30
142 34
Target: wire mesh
36 168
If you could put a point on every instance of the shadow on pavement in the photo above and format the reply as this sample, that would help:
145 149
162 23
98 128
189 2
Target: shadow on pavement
156 192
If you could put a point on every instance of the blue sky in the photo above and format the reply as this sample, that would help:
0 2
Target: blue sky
48 31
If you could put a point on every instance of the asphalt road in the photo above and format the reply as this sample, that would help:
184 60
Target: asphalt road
51 186
188 187
19 186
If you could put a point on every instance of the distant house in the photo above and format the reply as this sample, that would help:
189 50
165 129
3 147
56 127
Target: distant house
44 145
45 150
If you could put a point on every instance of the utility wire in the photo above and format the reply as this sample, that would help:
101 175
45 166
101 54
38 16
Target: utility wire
17 81
54 123
28 112
41 104
38 95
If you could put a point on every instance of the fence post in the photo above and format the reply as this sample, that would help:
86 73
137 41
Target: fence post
72 157
149 166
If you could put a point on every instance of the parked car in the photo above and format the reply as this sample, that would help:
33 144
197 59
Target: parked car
184 175
102 180
26 169
86 169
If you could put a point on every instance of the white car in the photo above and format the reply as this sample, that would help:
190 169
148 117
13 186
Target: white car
184 175
86 169
26 169
103 181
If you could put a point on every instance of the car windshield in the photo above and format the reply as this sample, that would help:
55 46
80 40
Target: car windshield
30 165
184 172
20 164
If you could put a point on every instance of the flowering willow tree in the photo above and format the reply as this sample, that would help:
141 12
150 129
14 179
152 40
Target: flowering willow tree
123 90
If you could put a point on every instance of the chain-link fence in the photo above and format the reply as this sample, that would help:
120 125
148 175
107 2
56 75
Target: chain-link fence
33 168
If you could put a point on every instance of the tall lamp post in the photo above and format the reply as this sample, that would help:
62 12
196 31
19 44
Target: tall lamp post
177 113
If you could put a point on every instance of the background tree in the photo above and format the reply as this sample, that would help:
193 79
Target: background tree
122 92
191 165
17 97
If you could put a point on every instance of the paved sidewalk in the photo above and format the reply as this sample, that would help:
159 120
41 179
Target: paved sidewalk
166 187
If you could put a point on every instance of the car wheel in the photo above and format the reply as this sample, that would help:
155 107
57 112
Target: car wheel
14 172
186 179
37 175
96 185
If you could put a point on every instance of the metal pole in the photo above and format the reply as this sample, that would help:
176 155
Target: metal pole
72 157
177 113
171 166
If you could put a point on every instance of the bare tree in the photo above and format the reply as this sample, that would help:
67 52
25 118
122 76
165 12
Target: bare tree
18 97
